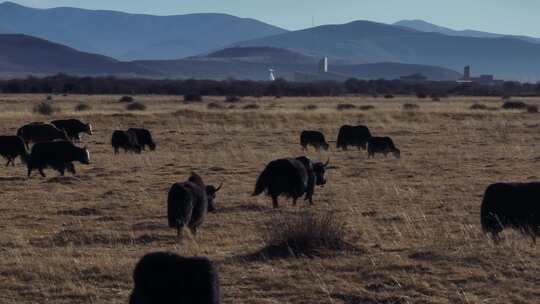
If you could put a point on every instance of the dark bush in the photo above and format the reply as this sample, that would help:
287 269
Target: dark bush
421 95
311 107
126 99
478 106
49 97
514 105
135 106
251 106
366 107
388 96
532 109
82 107
215 106
45 108
410 106
193 98
345 106
304 234
232 99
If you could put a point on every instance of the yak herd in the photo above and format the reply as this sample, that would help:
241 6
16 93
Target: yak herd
168 278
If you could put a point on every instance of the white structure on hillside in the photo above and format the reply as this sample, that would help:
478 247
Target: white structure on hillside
271 77
323 65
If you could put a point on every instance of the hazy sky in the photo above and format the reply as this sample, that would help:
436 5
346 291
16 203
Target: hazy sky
500 16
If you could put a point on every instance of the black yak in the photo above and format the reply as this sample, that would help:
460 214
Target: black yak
57 155
188 202
11 147
511 205
382 145
354 136
144 137
313 138
40 132
167 278
126 140
73 127
292 177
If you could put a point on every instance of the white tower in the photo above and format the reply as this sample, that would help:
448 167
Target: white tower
271 77
323 65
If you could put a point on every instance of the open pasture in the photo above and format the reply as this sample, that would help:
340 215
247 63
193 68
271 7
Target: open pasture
415 220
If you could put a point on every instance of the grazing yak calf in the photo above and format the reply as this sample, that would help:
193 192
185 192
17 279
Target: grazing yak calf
144 137
126 140
167 278
314 138
292 177
382 145
511 205
11 147
73 127
40 132
57 155
188 202
354 136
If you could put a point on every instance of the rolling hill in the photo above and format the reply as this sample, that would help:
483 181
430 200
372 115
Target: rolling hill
21 55
369 42
132 36
423 26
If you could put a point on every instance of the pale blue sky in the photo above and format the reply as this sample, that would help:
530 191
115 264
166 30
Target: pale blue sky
518 17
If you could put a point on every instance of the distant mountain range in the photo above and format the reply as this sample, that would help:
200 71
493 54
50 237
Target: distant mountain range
218 46
423 26
132 36
369 42
22 55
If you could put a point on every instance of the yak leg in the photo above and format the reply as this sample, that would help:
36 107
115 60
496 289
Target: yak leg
9 161
193 231
275 202
41 172
29 172
294 201
178 229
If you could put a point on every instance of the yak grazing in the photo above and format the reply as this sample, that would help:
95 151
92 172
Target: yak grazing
126 140
313 138
382 145
57 155
188 202
292 177
11 147
40 132
511 205
73 127
354 136
144 137
167 278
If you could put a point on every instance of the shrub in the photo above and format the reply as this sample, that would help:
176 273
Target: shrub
215 106
82 107
410 106
514 105
49 97
232 99
45 108
532 109
478 106
193 98
311 107
345 106
251 106
388 96
366 107
126 99
135 106
421 95
304 234
435 98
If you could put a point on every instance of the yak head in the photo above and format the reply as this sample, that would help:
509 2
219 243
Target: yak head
152 145
89 130
211 195
396 152
85 156
319 169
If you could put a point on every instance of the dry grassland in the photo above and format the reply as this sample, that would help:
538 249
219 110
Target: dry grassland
415 220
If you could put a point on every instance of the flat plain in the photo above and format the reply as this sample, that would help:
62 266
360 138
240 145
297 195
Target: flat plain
415 221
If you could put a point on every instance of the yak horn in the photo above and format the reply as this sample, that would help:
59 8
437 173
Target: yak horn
327 162
218 188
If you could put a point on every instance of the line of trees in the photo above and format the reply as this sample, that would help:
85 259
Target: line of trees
65 84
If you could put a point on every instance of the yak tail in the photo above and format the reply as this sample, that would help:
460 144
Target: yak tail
262 182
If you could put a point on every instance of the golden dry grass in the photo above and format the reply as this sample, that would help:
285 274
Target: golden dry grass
77 239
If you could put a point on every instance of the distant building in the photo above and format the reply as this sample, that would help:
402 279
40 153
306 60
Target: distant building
323 65
414 78
322 74
484 80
